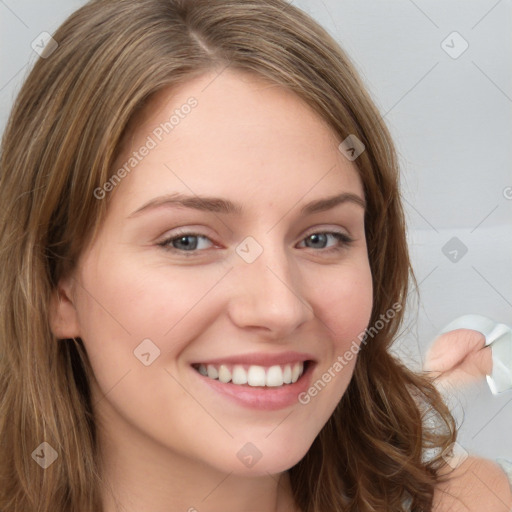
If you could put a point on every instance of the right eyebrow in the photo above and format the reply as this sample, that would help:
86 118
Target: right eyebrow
221 205
203 203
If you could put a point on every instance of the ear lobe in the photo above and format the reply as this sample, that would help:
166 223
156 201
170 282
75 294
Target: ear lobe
63 316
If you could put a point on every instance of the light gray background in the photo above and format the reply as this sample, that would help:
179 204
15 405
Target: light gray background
451 122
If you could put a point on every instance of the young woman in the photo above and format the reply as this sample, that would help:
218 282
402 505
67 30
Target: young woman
204 266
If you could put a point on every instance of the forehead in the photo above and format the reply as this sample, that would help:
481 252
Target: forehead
230 134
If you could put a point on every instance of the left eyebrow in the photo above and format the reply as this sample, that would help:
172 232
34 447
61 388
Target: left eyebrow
321 205
220 205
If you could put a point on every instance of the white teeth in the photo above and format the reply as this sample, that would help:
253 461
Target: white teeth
297 371
239 375
256 376
287 374
212 372
224 373
274 376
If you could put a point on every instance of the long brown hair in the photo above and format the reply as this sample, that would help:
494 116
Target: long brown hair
60 144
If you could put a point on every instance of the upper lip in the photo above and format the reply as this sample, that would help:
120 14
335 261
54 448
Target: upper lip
261 359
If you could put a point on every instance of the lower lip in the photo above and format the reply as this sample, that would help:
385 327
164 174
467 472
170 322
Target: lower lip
259 397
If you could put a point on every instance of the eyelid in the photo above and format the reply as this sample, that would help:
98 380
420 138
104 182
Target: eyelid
344 240
164 241
322 229
182 231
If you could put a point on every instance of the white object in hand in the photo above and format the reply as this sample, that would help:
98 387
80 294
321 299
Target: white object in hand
499 338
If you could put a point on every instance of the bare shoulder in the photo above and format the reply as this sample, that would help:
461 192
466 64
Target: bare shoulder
476 485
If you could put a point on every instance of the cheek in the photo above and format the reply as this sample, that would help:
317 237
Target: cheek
122 307
343 306
345 303
135 324
142 299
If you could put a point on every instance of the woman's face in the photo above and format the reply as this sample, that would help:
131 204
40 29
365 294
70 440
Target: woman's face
263 276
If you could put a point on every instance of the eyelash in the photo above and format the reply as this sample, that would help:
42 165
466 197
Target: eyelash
344 241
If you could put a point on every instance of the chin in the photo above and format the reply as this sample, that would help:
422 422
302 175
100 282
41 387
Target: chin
264 458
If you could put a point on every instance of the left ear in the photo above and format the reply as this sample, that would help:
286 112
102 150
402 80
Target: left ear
63 315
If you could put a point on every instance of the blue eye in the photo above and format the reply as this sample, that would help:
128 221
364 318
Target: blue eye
188 244
342 240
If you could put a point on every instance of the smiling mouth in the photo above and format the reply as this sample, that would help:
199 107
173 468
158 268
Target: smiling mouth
254 375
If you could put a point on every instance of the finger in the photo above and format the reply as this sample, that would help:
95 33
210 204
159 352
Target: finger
451 348
471 370
479 362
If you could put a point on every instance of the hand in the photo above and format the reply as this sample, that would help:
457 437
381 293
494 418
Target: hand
459 358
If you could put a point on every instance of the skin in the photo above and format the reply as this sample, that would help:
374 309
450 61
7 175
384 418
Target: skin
459 358
475 485
169 442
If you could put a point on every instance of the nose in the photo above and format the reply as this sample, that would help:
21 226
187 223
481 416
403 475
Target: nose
268 295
